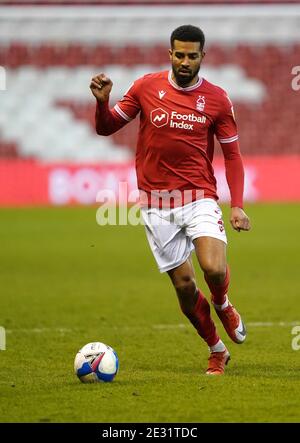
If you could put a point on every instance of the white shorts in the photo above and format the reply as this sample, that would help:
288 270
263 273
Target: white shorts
171 232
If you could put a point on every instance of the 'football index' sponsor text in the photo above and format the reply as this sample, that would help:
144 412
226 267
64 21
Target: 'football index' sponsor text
178 120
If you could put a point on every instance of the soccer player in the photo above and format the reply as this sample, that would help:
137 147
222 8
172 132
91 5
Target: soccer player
180 113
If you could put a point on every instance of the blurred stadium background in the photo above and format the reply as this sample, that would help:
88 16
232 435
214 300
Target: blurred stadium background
49 151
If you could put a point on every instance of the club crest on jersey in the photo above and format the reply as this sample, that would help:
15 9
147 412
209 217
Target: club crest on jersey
159 117
200 103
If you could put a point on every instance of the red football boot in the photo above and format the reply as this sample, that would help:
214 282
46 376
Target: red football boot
217 362
232 323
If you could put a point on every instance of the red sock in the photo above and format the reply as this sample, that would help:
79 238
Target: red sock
219 292
202 321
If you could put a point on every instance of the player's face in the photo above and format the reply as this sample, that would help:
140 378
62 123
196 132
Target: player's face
186 59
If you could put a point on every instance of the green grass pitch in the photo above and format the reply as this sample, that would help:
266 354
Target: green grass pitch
65 281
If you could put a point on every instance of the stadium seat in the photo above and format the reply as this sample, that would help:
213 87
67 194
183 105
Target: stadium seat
48 111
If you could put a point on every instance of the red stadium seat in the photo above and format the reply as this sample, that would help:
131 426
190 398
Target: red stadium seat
264 125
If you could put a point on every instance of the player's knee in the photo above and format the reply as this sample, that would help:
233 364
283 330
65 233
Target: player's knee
186 292
185 286
215 272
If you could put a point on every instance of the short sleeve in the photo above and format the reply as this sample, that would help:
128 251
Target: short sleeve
225 126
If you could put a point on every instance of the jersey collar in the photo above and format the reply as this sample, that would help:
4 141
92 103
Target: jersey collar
189 88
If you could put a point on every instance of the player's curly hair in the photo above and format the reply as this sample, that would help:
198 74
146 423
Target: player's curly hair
188 33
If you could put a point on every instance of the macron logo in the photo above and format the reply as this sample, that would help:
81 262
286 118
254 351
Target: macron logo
161 94
159 117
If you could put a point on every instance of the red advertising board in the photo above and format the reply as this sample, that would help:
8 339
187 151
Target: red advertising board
28 183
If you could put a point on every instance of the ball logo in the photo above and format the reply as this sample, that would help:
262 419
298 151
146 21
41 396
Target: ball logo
159 117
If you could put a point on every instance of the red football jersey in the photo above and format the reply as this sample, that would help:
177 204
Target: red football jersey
176 136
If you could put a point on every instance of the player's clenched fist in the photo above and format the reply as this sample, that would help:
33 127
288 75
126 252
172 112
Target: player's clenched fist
239 220
101 87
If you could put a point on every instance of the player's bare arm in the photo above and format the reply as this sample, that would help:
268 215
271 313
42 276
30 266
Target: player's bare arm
101 86
239 219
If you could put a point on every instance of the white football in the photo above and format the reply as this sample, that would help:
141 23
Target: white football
96 362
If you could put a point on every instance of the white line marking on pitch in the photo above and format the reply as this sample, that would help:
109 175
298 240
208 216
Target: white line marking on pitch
155 326
250 324
39 330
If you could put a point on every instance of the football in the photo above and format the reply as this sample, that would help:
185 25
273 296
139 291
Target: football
96 362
